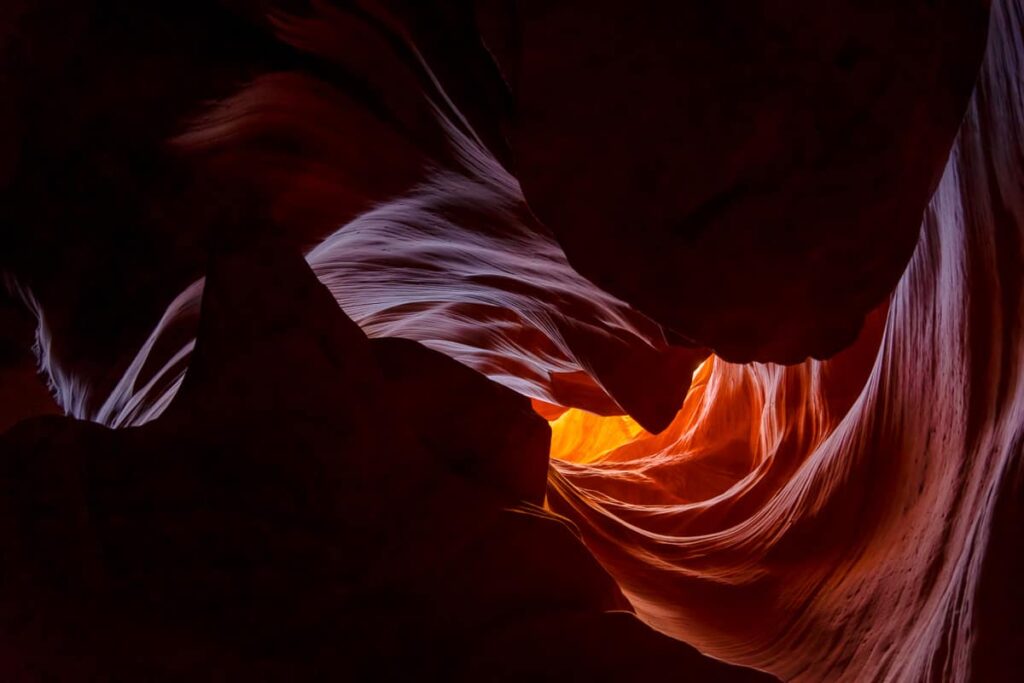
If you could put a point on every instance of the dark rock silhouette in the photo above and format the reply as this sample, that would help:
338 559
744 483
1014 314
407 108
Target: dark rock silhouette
297 269
343 516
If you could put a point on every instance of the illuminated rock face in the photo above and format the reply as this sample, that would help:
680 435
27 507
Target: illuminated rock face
266 485
848 519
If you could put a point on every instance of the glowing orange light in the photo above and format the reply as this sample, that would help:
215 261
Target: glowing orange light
583 437
579 436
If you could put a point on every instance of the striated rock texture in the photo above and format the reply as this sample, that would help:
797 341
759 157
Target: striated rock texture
459 265
331 468
792 521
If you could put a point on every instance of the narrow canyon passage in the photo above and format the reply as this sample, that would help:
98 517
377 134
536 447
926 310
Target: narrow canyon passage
512 340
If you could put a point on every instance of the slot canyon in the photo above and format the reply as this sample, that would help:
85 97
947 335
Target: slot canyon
512 340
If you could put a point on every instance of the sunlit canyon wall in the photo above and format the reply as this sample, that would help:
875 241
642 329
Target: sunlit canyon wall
272 480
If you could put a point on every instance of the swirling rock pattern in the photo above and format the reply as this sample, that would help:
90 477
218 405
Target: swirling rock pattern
823 541
280 478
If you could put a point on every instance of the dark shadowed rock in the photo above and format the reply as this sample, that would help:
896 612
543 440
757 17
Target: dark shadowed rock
313 504
751 175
